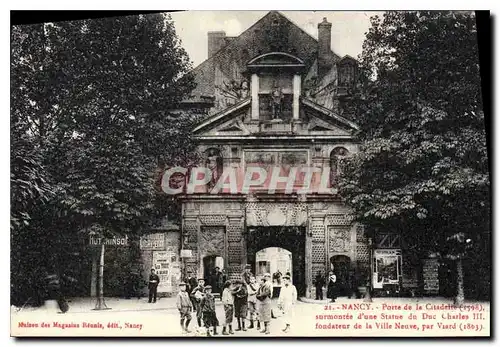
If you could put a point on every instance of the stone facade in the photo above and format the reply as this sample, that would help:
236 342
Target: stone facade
271 96
219 227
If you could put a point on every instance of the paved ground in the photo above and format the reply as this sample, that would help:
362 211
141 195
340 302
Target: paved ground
139 318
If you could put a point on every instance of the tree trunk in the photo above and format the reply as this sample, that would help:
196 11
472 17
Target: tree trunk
460 297
100 304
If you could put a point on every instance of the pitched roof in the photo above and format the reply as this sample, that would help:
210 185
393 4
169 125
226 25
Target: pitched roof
232 58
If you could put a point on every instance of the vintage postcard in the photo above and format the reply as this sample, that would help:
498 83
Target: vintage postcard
226 174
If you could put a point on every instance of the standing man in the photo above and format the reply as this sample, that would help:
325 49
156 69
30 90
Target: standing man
264 296
247 274
198 294
154 280
252 300
319 283
287 300
191 283
217 281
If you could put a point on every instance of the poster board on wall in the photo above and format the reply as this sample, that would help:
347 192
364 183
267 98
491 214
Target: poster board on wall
167 264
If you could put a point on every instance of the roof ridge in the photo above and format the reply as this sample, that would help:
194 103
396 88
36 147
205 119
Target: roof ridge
232 42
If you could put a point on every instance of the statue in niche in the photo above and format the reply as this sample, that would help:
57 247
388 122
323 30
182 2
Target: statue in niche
214 164
276 101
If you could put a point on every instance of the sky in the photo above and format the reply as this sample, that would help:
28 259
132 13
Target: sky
348 28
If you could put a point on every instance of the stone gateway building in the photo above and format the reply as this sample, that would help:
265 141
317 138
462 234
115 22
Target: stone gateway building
275 98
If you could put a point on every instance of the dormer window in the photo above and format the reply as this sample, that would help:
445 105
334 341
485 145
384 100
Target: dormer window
347 67
275 86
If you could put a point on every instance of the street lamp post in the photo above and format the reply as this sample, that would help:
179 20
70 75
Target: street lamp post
368 296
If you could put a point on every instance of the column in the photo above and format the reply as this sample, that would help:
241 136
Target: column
296 96
236 263
190 231
255 96
309 275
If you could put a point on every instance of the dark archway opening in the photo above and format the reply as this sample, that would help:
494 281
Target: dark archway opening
290 238
342 267
212 272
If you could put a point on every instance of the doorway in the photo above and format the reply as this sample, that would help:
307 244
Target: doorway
275 260
289 241
211 275
341 265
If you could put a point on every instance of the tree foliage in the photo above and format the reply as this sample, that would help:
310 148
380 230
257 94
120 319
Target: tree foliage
93 114
423 165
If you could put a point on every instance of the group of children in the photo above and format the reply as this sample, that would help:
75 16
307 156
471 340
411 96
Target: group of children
241 299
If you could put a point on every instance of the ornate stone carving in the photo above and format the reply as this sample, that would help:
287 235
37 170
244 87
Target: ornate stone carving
339 239
212 240
360 234
267 214
318 252
339 219
215 220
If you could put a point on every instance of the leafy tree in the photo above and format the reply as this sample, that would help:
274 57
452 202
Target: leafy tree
96 101
422 166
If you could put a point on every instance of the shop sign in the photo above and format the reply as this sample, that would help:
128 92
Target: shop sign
153 242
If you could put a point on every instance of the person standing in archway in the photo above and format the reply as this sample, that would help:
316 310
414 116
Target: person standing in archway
319 283
287 300
331 292
264 296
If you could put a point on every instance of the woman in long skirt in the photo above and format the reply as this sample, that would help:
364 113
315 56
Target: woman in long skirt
332 287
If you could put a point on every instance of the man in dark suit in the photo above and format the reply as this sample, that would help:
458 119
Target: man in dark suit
319 283
191 283
154 280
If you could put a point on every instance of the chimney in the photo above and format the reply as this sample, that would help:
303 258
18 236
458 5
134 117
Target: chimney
216 40
324 45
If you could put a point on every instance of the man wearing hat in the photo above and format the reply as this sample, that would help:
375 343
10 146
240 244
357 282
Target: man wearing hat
247 274
154 280
287 300
191 283
198 293
185 306
264 294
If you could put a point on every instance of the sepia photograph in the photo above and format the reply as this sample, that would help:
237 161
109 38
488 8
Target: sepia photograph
226 174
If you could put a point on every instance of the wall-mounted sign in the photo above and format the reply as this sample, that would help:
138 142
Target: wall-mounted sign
153 242
115 241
